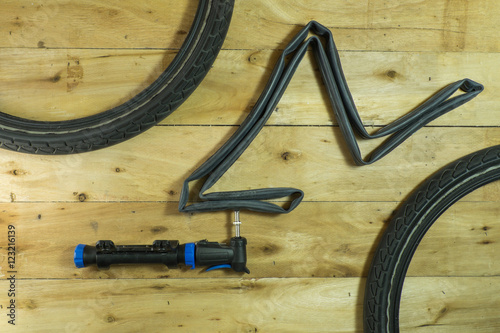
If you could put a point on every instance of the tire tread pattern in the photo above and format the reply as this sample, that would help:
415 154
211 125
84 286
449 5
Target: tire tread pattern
404 232
159 107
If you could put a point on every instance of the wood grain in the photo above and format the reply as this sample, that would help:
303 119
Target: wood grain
63 59
450 305
96 24
385 85
153 166
337 242
192 305
246 305
374 25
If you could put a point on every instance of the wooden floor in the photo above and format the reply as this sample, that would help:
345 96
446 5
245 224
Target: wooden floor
61 60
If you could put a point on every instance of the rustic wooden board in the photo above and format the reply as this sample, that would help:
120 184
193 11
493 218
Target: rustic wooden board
64 59
324 239
41 84
450 304
373 25
153 166
54 84
246 305
96 24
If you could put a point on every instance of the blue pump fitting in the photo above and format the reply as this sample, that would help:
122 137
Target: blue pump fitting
78 256
189 255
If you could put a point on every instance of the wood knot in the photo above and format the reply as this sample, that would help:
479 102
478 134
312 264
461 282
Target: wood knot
391 73
31 304
56 78
270 249
158 229
285 155
290 155
254 58
17 172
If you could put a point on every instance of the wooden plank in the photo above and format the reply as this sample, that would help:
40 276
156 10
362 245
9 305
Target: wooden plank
450 305
39 84
54 84
153 166
96 24
334 239
193 305
244 305
460 239
384 85
374 25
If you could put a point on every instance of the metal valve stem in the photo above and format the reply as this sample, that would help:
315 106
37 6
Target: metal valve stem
237 223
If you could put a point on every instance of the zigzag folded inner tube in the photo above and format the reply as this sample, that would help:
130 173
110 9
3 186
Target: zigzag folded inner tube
345 113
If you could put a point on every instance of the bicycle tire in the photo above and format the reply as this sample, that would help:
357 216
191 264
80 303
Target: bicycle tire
407 228
146 109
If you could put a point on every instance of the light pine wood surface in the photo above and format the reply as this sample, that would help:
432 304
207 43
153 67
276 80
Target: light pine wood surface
63 59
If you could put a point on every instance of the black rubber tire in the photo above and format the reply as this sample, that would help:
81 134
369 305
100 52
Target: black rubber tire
409 225
146 109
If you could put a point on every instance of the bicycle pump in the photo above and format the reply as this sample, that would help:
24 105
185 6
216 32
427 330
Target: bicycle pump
168 252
